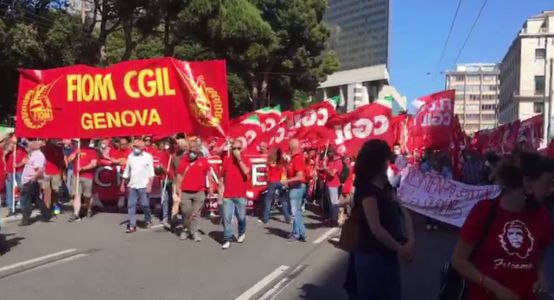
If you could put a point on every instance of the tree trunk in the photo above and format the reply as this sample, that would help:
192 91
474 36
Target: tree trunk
128 34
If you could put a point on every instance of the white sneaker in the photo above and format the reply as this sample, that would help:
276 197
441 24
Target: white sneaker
226 245
241 238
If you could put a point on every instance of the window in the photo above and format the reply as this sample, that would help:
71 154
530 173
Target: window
473 88
474 97
458 77
487 106
489 78
540 53
491 88
459 96
539 85
538 107
473 78
472 116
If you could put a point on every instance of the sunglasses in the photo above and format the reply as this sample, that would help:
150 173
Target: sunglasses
236 148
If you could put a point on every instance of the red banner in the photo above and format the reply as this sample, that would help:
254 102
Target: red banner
433 122
353 129
151 96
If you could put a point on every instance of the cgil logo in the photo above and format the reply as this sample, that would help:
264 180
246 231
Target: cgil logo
312 117
438 114
361 129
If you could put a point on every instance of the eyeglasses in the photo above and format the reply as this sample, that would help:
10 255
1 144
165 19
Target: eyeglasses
236 148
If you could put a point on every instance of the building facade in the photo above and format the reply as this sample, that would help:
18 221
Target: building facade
477 95
360 38
525 70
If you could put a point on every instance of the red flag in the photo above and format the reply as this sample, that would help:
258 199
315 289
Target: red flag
433 122
352 130
248 130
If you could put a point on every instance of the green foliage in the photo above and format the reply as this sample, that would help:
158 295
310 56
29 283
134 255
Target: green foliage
275 49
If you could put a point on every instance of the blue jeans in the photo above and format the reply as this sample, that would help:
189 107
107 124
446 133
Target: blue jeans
237 207
333 203
272 187
550 269
9 188
377 277
296 195
136 195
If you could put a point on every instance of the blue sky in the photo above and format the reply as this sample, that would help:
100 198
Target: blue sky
419 29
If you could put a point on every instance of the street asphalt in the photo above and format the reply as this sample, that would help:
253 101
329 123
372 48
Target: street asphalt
95 259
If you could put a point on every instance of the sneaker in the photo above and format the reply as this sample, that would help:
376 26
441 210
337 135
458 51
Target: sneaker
241 238
302 239
166 225
226 245
196 237
212 215
74 218
148 224
292 239
183 235
131 229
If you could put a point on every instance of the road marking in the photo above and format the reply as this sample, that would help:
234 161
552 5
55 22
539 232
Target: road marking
262 283
54 263
325 236
157 226
282 284
35 260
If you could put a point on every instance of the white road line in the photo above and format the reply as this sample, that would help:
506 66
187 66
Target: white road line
280 286
54 263
325 236
157 226
262 283
35 260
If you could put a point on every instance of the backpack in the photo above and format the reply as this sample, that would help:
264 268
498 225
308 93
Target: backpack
344 173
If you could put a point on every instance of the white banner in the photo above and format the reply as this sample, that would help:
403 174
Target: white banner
445 200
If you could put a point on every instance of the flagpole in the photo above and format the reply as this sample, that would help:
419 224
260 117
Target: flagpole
14 185
165 179
78 175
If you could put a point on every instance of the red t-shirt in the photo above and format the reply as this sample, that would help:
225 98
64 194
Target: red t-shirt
274 172
87 156
334 166
54 159
512 250
195 178
235 183
297 164
119 154
20 155
348 185
2 171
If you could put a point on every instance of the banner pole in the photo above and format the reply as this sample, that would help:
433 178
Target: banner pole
78 175
14 182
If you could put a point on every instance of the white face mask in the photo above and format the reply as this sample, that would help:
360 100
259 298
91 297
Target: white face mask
166 147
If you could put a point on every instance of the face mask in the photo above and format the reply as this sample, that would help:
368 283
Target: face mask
193 155
137 151
166 147
397 151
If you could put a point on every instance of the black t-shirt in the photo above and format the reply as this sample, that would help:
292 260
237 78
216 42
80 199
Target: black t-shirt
389 214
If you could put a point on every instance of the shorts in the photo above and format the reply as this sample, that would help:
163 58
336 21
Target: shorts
85 187
52 182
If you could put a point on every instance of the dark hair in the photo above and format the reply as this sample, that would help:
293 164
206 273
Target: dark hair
370 161
509 176
533 165
492 158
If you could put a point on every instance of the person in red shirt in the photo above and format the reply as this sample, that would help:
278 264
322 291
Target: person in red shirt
296 182
119 158
332 168
347 191
235 180
192 175
275 173
508 263
14 167
52 181
84 161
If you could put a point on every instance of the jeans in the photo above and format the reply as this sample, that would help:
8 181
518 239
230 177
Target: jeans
30 192
136 195
295 196
333 203
237 207
550 269
167 197
67 186
272 187
377 277
9 188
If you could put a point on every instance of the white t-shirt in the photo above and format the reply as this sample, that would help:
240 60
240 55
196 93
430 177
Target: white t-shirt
139 170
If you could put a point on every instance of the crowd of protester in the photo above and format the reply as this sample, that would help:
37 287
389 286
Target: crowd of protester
503 249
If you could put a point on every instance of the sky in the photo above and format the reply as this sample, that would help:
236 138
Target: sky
419 29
